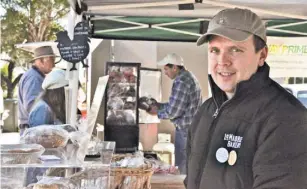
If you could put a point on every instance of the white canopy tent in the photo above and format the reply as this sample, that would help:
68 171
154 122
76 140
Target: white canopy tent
137 19
160 20
267 9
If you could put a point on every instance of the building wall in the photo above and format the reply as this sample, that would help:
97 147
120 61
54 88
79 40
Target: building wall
136 51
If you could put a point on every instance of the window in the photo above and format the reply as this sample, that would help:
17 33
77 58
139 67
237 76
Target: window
302 97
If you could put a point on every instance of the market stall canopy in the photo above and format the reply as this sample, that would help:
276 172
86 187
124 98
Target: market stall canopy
186 20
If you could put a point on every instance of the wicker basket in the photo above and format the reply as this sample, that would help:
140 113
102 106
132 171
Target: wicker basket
128 178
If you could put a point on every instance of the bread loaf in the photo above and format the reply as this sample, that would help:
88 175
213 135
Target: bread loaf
48 136
45 186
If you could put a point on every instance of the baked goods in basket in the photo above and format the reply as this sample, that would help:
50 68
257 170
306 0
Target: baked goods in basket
127 172
45 186
52 183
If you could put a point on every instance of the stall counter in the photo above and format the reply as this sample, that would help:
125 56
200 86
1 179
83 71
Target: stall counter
162 181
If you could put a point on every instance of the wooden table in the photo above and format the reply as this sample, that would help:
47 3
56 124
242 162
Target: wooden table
164 181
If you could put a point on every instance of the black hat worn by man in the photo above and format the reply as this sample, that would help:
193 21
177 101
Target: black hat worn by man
252 133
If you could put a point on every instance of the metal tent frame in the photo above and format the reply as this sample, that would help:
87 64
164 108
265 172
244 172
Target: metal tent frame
147 19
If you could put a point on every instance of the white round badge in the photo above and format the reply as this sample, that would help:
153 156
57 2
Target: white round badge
232 157
222 155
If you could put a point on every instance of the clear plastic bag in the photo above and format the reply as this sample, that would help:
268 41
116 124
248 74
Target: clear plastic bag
162 167
133 161
116 118
78 150
145 103
92 177
8 177
59 152
129 116
115 103
116 90
124 117
69 128
53 182
49 136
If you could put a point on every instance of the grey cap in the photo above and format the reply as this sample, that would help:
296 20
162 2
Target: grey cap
44 51
235 24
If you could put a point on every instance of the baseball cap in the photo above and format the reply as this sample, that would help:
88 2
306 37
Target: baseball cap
55 79
171 58
235 24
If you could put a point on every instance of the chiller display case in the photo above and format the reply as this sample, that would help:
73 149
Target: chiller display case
121 113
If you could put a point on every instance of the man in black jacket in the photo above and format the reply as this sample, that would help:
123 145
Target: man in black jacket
251 134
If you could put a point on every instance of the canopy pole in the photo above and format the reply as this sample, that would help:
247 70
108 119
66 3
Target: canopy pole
287 31
182 22
177 31
287 25
123 29
72 76
227 5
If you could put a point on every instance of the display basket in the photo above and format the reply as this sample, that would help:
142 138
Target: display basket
92 177
136 178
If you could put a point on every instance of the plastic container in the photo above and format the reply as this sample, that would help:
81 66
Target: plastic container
106 150
12 178
96 177
20 153
165 149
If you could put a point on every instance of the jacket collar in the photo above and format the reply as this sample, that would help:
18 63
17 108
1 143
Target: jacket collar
38 71
181 72
244 88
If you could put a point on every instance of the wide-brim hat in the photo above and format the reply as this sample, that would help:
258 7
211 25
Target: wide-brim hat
44 51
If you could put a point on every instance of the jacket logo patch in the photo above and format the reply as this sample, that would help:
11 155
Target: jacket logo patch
233 141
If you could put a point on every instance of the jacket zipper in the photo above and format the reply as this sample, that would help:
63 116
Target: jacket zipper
218 110
215 115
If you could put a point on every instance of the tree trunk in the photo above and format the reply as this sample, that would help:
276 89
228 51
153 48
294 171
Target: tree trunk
10 92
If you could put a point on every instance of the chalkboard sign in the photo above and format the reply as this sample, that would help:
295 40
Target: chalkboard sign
75 50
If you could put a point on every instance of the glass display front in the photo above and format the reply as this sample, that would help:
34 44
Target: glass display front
122 95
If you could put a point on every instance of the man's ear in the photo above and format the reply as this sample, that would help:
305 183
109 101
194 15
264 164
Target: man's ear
263 56
38 62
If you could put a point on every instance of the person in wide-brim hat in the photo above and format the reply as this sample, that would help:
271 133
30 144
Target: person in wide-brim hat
30 84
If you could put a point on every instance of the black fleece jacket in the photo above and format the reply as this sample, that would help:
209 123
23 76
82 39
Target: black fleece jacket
256 140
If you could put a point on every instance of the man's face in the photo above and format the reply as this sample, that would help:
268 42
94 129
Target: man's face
231 62
47 64
170 72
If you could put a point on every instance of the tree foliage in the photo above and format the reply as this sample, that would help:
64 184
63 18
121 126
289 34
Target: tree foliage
8 82
30 20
